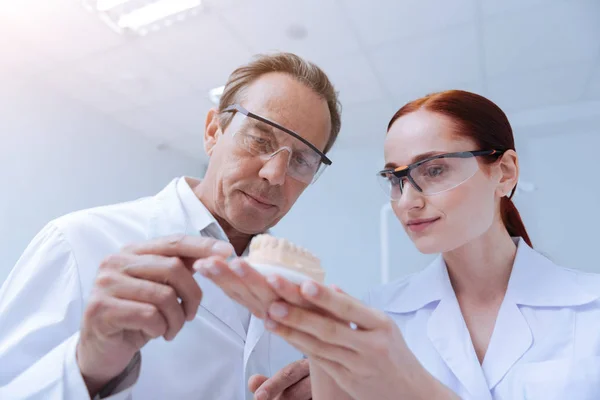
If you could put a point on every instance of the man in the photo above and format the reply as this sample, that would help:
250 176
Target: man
104 303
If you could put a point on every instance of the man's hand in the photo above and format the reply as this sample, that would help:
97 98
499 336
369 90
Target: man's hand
290 383
144 292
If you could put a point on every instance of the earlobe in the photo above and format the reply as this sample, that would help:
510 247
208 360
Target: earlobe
212 131
509 167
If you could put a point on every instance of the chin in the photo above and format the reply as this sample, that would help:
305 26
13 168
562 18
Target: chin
427 244
433 242
248 222
436 244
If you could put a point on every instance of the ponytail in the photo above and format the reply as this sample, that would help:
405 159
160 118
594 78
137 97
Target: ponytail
512 220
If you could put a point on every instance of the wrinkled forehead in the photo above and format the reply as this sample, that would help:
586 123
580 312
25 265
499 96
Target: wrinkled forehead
290 103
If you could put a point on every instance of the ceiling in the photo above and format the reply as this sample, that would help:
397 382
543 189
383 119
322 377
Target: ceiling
526 55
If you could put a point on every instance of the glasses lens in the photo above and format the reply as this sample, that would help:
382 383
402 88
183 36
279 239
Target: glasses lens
261 139
392 186
441 174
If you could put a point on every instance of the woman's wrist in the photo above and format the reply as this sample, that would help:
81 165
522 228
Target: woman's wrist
425 386
429 388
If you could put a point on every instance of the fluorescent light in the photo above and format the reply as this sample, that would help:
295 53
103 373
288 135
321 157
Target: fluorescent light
105 5
155 12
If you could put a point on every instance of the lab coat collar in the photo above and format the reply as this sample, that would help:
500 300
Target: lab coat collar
417 291
202 220
177 210
535 281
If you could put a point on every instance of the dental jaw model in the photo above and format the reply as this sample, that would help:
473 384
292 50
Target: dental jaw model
271 255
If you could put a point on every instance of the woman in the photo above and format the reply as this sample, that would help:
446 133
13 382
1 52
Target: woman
490 318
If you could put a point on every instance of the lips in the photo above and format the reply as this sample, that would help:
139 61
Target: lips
259 201
421 221
419 225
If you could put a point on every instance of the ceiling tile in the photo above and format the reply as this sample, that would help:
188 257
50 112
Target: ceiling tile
409 95
550 86
76 84
558 33
264 24
61 28
385 21
141 121
19 57
222 5
495 7
436 62
186 113
202 50
131 73
353 78
365 124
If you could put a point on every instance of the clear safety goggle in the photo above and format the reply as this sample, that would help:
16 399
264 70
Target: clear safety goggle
433 175
266 139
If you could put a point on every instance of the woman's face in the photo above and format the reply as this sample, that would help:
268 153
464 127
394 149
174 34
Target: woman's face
446 220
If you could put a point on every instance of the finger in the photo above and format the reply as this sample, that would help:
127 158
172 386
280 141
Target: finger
169 271
182 246
320 326
163 297
115 315
288 291
283 379
342 306
254 281
311 346
337 288
256 381
217 270
300 391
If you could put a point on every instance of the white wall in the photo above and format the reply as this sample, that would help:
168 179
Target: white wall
563 214
56 157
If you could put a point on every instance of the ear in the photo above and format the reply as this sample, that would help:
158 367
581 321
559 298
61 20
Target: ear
212 131
509 173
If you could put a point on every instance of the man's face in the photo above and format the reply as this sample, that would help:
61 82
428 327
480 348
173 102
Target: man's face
252 193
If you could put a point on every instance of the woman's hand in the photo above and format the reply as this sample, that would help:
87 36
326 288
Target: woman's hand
240 282
244 284
359 347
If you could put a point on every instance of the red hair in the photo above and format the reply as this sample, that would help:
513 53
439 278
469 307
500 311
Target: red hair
486 124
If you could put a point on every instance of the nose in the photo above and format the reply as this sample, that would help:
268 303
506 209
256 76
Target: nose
411 198
274 170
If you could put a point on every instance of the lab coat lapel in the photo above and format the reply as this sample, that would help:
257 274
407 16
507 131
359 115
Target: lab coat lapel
449 335
510 340
169 218
256 332
535 281
446 328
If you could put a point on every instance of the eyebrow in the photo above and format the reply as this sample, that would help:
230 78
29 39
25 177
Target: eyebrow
420 157
264 128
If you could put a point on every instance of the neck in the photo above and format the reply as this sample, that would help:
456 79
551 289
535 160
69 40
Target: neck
480 270
205 193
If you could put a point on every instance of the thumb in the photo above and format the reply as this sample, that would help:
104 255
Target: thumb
255 382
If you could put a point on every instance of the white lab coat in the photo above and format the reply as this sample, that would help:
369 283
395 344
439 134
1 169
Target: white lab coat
42 301
545 344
